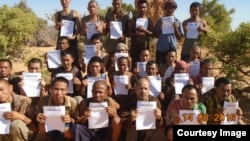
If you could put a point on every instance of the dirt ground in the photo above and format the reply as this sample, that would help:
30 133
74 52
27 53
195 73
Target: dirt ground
19 66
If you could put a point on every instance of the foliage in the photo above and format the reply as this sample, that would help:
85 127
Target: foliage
233 51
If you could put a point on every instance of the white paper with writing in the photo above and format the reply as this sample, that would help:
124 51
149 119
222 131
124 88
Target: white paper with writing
32 85
192 30
207 84
146 117
194 68
230 113
69 77
181 79
120 84
54 118
90 51
143 22
4 124
54 59
155 85
142 68
68 28
99 117
168 25
115 30
168 72
91 29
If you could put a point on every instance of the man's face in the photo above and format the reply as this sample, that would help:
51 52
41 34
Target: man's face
207 70
63 45
117 5
93 8
145 56
97 43
152 69
223 91
65 3
142 90
59 90
5 69
5 92
142 8
95 68
189 98
34 67
171 57
99 92
169 9
195 53
195 11
67 61
122 65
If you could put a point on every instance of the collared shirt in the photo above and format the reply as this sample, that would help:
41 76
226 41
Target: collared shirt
166 41
71 107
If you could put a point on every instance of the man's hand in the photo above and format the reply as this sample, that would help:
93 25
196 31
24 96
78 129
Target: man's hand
66 119
13 115
157 113
40 118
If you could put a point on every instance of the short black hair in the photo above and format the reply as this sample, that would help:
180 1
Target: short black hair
35 60
189 87
96 37
64 53
195 4
151 62
141 1
222 80
206 61
60 79
171 50
64 38
6 60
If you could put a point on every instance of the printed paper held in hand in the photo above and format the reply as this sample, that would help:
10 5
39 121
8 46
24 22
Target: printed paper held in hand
54 118
120 84
54 58
99 117
115 30
91 29
68 28
189 117
230 113
32 85
91 81
143 22
142 68
4 123
194 68
146 117
90 51
192 30
181 79
168 25
207 84
69 77
168 73
155 85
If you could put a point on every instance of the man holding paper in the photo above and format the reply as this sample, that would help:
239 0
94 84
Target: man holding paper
22 126
97 115
62 118
215 100
145 113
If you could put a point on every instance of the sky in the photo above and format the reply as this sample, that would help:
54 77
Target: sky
41 7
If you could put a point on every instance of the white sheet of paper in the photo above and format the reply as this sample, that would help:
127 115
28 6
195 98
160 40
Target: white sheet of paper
4 124
90 51
192 30
168 25
91 26
142 22
54 118
32 85
189 117
54 58
207 84
115 30
68 28
91 81
99 117
155 85
230 113
120 84
117 56
168 72
69 77
181 79
194 68
142 68
146 118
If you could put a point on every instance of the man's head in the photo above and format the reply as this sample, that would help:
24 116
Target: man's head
100 91
206 68
151 68
142 89
96 39
117 5
171 56
189 96
59 88
145 55
5 68
121 48
195 9
170 7
195 52
67 59
181 67
5 91
223 87
34 65
93 7
64 43
142 7
123 64
65 3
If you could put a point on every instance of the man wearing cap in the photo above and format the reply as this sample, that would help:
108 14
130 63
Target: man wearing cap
167 35
194 22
